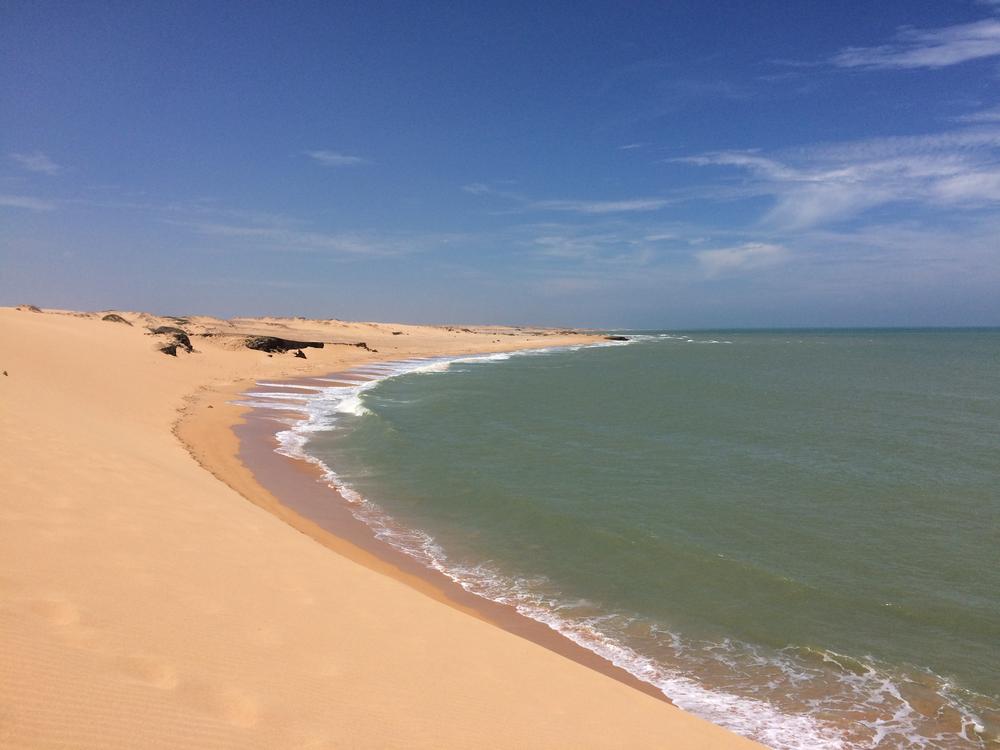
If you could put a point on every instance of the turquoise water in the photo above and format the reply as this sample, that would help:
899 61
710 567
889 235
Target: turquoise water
792 533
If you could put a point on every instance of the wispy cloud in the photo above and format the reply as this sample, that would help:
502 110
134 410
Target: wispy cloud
985 115
477 188
36 162
750 256
335 158
701 88
277 238
878 257
927 48
613 245
23 201
592 207
826 183
974 187
601 207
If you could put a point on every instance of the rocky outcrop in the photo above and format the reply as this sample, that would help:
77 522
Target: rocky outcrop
300 354
169 329
115 318
275 345
359 344
28 308
173 339
616 338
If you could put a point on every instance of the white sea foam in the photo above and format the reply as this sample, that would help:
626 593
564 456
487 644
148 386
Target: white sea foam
352 405
736 708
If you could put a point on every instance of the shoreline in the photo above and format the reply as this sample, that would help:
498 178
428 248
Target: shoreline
296 491
148 602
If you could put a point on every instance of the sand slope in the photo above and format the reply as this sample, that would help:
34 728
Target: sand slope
145 604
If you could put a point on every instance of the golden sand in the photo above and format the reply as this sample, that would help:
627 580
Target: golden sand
144 603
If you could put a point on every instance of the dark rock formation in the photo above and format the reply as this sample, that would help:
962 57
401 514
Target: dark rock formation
397 333
300 354
178 338
359 344
168 329
28 308
115 318
273 344
617 338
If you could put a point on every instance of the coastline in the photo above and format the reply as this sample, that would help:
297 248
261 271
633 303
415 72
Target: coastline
146 602
295 491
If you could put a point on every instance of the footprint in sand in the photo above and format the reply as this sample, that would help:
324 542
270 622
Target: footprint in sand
56 612
64 619
229 704
148 671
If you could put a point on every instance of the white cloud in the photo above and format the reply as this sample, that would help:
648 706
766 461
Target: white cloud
23 201
37 162
486 189
602 207
477 188
974 187
929 48
598 207
986 115
335 158
826 183
276 238
575 245
748 159
611 244
747 257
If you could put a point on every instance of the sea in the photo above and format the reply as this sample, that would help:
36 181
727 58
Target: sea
794 534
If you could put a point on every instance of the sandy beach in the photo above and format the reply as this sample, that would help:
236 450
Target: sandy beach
155 593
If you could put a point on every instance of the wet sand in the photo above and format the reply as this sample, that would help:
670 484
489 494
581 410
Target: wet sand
299 487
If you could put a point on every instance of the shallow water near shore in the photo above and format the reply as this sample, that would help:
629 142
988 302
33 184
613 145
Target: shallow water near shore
791 533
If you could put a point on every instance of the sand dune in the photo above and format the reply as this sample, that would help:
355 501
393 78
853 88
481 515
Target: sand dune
146 604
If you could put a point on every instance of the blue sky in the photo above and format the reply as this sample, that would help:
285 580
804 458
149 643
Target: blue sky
663 164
